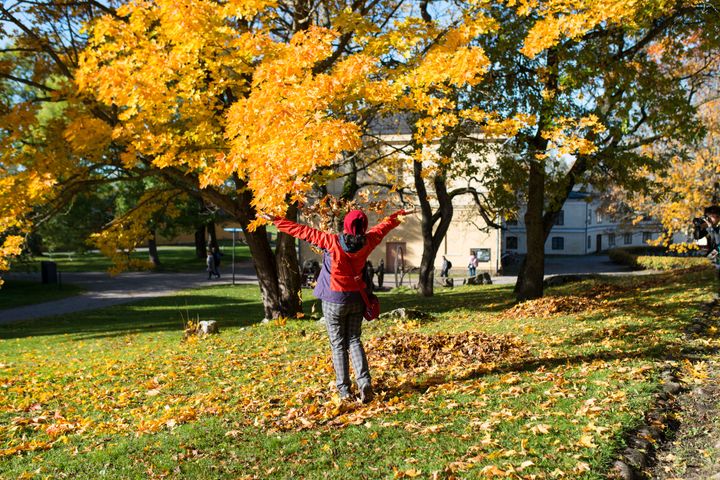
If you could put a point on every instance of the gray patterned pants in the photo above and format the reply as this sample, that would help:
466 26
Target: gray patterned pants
344 326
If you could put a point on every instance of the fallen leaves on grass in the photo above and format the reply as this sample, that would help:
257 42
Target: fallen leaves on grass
404 363
548 306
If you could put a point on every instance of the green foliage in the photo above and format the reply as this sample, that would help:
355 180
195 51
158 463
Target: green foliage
174 259
69 229
653 258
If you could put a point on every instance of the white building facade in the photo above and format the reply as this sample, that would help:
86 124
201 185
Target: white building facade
581 229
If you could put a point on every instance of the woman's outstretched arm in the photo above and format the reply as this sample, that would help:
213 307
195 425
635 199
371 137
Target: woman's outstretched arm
378 232
318 238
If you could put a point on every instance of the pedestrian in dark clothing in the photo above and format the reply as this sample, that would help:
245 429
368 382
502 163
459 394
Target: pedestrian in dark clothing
370 274
217 256
210 261
381 274
445 268
712 214
338 286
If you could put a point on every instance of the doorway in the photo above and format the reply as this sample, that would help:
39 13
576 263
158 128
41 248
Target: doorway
599 243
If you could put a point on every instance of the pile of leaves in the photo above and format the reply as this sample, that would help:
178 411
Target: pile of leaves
604 291
401 364
419 353
555 305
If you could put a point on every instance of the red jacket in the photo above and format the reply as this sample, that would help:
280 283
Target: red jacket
345 265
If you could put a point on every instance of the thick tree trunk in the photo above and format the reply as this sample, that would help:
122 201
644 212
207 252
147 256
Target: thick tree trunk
266 270
288 270
432 235
200 242
153 255
530 278
213 235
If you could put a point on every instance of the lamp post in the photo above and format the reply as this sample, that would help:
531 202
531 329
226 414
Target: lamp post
233 230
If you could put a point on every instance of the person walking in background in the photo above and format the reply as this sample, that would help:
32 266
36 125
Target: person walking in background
472 264
370 274
381 274
338 286
210 261
217 256
445 267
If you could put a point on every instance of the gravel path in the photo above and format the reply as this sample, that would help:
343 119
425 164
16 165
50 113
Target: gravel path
103 290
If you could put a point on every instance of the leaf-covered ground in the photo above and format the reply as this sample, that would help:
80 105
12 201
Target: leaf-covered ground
543 392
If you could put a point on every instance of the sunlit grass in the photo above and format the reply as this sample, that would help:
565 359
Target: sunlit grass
117 390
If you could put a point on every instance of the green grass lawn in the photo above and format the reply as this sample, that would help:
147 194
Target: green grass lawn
172 259
117 393
17 293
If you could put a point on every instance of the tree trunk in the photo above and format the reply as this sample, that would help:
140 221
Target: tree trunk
288 270
280 296
432 236
530 278
153 255
266 270
200 242
213 235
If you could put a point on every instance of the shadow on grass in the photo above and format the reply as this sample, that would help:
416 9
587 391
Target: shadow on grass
156 315
637 335
490 299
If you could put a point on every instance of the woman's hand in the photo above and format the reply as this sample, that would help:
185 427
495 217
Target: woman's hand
408 212
403 213
267 217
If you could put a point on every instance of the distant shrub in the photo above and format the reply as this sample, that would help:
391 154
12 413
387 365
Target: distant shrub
669 263
653 258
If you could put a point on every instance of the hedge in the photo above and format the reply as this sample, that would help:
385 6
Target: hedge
653 258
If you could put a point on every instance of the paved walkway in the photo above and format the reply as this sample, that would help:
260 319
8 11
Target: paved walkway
103 290
579 265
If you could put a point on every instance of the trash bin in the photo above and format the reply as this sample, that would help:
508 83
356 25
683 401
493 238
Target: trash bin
48 272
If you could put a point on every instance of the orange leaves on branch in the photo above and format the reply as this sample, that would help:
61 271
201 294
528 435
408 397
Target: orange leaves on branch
570 19
11 246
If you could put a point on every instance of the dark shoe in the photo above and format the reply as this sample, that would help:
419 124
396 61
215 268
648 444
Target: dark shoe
366 393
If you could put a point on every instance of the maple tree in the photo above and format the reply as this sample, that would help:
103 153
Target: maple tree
593 92
692 180
237 104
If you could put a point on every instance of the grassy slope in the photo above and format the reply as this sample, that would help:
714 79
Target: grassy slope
116 393
172 259
17 293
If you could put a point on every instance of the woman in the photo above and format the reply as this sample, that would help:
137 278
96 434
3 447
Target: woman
344 258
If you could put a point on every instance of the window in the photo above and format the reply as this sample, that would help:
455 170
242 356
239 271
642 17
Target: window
647 236
558 243
482 254
589 218
511 243
627 238
611 239
560 218
589 242
598 217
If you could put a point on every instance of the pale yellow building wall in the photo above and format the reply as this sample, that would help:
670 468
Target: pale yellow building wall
462 236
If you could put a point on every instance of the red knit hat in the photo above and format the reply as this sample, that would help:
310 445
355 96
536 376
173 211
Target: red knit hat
355 222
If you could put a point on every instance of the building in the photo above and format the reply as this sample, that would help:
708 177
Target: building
467 234
580 229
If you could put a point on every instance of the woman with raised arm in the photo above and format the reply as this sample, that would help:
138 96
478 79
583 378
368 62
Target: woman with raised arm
338 287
